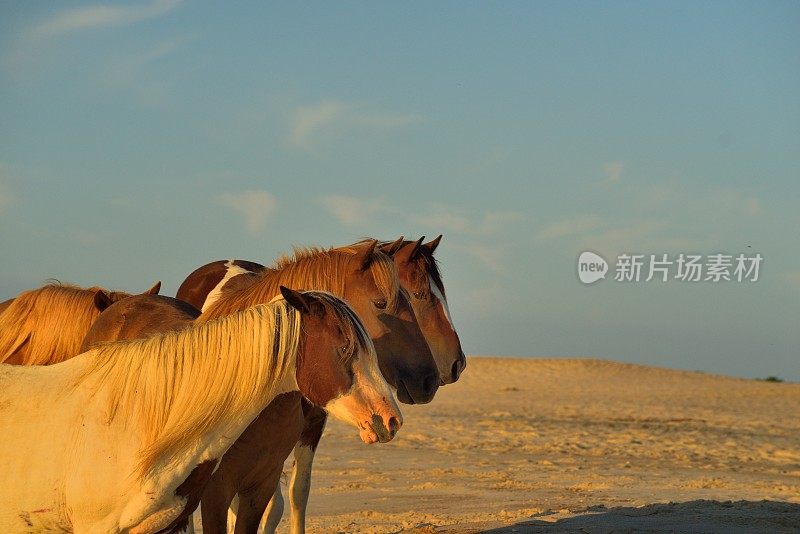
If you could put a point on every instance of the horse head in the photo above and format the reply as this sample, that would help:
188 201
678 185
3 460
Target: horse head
337 366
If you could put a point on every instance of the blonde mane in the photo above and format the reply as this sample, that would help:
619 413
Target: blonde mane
310 268
176 386
52 320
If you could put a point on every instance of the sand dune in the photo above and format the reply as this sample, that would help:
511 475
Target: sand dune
533 445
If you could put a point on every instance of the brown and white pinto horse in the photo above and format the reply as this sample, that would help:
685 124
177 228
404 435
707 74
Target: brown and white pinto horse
419 276
134 429
46 325
367 279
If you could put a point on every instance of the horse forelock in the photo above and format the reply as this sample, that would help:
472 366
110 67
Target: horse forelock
432 268
350 322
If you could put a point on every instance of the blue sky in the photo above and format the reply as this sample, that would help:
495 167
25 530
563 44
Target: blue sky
140 140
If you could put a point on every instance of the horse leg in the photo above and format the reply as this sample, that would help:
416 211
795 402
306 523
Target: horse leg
214 507
253 501
300 484
271 520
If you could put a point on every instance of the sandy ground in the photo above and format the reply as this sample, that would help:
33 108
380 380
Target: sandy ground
532 445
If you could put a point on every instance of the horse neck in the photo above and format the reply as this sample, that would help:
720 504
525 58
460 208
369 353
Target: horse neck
194 386
326 274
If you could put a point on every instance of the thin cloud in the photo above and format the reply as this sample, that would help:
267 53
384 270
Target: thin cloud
569 227
90 238
644 236
491 256
308 123
447 218
255 206
484 300
132 74
97 17
793 279
126 70
456 219
353 211
613 171
729 201
719 201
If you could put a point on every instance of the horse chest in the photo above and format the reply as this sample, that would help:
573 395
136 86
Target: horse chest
189 492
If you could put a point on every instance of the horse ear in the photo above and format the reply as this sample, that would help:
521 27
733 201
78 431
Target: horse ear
154 290
431 245
102 300
390 248
302 302
408 252
364 258
296 299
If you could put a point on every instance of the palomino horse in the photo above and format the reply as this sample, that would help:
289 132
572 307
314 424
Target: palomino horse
419 276
134 429
47 325
368 280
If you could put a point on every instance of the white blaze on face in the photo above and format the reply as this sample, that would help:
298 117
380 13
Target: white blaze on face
232 270
369 405
437 292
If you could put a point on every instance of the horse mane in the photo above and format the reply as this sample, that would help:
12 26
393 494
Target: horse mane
176 386
314 268
53 319
432 268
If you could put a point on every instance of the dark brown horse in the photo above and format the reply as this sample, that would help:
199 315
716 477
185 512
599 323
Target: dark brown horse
419 276
368 280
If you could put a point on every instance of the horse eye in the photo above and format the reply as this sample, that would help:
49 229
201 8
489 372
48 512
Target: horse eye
380 304
419 295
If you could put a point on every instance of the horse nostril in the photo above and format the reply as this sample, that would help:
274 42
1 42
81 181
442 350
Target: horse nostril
458 367
394 426
456 370
430 385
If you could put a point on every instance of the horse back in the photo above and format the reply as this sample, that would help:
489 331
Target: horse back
139 316
218 275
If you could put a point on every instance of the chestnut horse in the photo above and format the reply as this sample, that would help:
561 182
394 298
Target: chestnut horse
419 276
134 428
368 280
47 325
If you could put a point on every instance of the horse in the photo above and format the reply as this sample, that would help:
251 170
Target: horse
134 429
46 325
419 276
368 280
